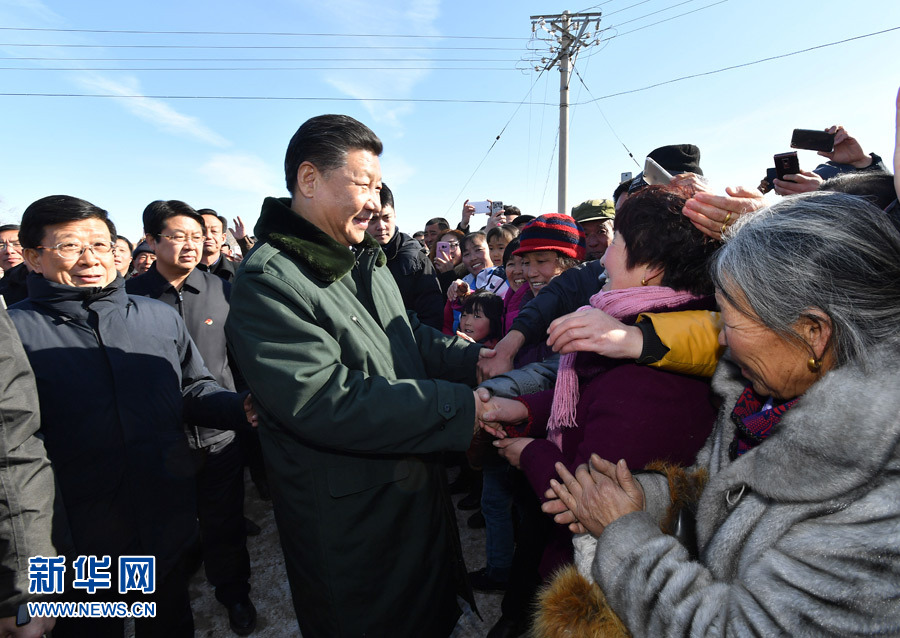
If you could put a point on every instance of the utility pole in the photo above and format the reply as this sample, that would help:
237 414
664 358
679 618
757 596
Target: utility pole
562 28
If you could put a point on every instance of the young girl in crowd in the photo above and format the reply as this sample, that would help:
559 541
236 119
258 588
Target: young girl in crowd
482 275
448 263
481 319
518 287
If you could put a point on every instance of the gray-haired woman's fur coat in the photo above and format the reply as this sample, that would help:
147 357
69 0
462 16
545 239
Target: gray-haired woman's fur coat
798 537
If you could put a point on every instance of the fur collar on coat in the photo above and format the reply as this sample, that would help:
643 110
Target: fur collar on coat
289 232
821 490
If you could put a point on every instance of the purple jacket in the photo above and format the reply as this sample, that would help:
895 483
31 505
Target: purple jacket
625 411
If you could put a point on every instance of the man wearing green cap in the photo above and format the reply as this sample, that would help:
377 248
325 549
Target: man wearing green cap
596 218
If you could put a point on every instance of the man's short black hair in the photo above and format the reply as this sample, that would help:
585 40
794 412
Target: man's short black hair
58 209
387 197
127 241
442 223
222 220
621 188
6 227
156 213
324 141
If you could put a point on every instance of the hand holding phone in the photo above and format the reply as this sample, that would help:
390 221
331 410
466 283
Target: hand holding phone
654 173
786 164
811 140
481 208
443 250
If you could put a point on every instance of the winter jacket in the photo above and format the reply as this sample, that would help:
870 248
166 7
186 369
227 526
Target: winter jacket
625 411
224 268
690 338
203 305
355 397
12 284
512 302
797 537
26 478
116 378
408 262
564 294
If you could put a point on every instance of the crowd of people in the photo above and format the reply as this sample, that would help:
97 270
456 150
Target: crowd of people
674 411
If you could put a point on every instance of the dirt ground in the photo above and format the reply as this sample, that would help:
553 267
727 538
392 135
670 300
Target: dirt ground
272 597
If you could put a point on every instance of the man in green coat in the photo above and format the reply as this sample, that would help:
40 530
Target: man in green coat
355 398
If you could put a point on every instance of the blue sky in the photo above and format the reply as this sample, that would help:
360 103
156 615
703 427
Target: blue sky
227 154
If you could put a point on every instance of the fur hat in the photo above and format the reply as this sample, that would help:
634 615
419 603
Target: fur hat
553 232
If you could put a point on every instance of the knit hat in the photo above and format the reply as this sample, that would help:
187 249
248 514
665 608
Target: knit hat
675 158
594 210
553 232
142 247
678 158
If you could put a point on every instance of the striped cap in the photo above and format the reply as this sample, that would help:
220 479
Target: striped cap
553 232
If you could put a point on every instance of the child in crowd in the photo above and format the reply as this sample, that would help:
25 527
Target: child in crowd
498 238
477 260
482 318
482 275
518 286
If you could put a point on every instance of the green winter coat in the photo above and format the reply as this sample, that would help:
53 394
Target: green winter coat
355 400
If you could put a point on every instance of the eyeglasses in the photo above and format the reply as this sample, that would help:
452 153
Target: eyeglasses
9 245
181 238
453 244
71 250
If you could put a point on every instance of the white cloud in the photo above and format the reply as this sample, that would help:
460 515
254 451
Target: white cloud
242 172
153 110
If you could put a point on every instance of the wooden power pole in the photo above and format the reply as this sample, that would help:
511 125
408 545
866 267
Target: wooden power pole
570 33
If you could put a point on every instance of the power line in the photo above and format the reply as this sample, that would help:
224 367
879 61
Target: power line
494 143
745 64
653 24
266 33
658 11
249 98
369 59
251 46
269 68
631 6
448 100
603 115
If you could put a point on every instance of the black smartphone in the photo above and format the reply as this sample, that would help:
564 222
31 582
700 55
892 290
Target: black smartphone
812 140
786 164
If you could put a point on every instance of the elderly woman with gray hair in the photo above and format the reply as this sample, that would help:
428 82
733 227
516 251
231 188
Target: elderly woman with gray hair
796 494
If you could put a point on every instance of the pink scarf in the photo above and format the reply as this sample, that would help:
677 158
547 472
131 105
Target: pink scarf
626 302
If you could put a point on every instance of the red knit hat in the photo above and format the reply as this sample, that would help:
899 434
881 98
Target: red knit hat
553 232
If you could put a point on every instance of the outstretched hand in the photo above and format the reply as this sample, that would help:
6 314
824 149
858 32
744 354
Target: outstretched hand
499 360
712 214
794 184
595 331
846 149
483 403
238 231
